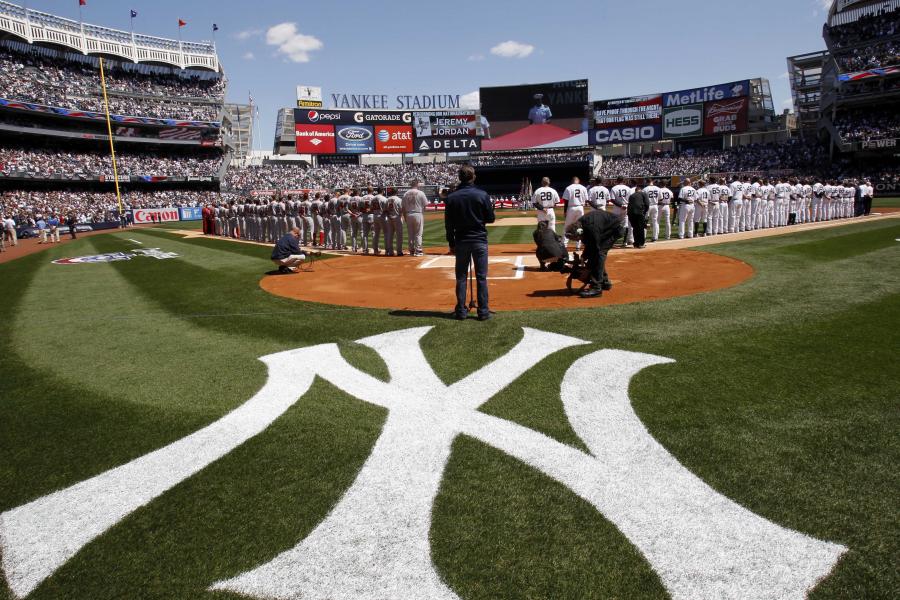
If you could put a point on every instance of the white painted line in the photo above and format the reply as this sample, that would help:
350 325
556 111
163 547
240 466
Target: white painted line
135 241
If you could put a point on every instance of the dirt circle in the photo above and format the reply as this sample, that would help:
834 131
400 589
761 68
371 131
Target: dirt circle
514 281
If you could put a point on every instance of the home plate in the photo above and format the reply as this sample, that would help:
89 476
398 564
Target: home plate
499 267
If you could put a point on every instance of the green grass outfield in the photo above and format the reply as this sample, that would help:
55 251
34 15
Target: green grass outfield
783 397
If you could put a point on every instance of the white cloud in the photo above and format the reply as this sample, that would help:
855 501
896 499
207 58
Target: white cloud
249 56
472 100
512 49
783 75
476 57
291 43
247 34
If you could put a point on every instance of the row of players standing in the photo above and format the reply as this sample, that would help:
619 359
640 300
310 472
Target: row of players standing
344 221
719 207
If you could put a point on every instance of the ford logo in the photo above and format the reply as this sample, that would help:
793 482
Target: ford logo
354 134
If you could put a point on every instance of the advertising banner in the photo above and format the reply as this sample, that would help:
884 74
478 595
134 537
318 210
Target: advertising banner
155 215
683 121
722 91
625 135
625 112
352 117
726 116
393 139
342 160
445 123
190 213
355 139
309 96
315 139
449 144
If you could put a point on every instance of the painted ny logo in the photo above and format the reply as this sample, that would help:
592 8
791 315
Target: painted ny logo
374 543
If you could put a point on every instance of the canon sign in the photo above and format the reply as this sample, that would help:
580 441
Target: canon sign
620 135
685 121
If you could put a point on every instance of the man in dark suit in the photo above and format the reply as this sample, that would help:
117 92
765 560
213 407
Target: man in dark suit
468 210
598 230
638 207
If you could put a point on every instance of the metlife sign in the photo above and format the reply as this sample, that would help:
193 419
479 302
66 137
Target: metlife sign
625 135
723 91
683 121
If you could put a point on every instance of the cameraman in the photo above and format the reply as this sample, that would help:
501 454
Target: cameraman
287 254
550 248
598 230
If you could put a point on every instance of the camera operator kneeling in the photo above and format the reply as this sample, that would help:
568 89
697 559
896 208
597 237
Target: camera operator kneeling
550 248
287 254
598 230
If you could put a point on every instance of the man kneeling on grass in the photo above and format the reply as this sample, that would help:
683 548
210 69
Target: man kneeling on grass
287 254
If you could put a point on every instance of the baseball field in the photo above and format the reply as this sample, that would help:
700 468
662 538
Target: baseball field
738 442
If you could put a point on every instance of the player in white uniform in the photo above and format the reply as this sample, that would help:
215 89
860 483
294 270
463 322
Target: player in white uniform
575 196
768 204
653 214
736 206
724 210
713 219
619 207
544 201
598 196
807 202
754 219
818 193
782 199
701 208
747 211
686 198
666 196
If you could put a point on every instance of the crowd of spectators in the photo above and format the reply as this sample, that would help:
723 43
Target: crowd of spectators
882 54
75 164
488 159
28 74
281 176
869 123
741 159
26 207
882 24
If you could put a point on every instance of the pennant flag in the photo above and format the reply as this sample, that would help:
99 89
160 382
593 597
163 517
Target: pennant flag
215 27
82 2
133 14
181 23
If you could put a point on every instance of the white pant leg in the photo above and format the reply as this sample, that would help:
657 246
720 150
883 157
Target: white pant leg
573 214
653 216
665 215
685 220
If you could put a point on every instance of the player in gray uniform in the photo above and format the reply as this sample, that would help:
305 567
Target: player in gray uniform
325 212
383 225
279 210
346 218
378 202
395 209
334 211
232 215
413 208
309 226
368 217
356 221
290 214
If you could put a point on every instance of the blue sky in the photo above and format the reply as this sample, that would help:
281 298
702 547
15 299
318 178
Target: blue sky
624 47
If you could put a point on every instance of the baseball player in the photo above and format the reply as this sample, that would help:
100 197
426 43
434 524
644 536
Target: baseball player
413 209
334 212
315 211
356 222
701 208
619 197
782 202
368 204
341 223
665 209
575 196
395 214
713 217
753 216
598 195
736 205
327 202
653 214
544 201
686 198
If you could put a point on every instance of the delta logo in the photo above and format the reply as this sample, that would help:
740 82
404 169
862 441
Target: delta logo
396 139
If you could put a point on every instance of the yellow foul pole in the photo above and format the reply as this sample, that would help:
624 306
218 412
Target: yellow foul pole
112 148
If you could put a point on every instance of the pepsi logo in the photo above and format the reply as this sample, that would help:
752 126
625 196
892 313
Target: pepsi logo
313 116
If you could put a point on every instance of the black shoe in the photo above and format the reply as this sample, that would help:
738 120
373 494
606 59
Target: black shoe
591 293
544 267
605 286
460 317
284 270
486 317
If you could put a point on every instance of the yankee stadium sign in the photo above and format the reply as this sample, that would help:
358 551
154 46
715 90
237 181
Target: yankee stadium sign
400 102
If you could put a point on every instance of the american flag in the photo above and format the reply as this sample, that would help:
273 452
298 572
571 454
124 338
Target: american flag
179 133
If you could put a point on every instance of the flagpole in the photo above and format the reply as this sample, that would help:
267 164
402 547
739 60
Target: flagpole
112 148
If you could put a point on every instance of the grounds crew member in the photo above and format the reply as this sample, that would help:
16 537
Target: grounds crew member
598 231
550 248
287 254
638 207
413 208
468 210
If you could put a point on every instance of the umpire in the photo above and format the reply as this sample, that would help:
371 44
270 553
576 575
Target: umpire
467 211
598 230
638 207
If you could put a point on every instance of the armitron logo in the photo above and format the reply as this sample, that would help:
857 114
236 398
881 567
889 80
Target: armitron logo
374 543
354 134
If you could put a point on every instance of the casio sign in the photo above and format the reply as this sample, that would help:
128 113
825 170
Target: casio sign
625 134
354 134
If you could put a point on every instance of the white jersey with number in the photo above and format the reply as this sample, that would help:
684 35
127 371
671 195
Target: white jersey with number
687 194
598 196
620 195
545 198
737 191
665 196
575 195
652 194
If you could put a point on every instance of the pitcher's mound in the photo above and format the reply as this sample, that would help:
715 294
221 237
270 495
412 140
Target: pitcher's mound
514 281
